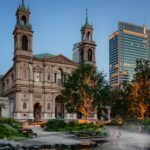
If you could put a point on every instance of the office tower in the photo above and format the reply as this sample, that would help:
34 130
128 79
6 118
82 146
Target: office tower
128 43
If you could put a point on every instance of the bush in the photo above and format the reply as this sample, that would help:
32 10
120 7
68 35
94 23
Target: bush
9 129
146 125
55 124
101 132
12 122
9 132
61 125
73 123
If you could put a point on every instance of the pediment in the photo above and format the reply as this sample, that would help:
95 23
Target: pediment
61 59
37 68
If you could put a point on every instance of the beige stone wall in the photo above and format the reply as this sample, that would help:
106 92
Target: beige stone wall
35 83
7 107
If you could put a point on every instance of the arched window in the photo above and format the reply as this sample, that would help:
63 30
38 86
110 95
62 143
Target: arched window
89 55
24 43
24 20
82 55
60 76
83 36
24 105
88 35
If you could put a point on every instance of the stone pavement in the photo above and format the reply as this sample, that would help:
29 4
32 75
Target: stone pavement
49 138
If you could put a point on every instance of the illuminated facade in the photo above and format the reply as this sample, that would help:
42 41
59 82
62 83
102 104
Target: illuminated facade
126 45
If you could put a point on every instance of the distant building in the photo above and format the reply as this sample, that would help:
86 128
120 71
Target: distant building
128 43
34 82
84 51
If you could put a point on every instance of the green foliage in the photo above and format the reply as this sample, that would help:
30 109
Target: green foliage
133 97
81 90
146 125
9 129
60 125
120 98
101 132
12 122
55 125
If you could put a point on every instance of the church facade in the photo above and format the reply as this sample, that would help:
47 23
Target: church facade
34 82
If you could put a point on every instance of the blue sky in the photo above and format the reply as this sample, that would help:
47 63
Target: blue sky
56 25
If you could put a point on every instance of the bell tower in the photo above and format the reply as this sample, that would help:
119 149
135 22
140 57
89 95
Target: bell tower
23 32
87 46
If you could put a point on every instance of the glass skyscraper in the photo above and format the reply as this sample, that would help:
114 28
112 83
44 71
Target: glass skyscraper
129 43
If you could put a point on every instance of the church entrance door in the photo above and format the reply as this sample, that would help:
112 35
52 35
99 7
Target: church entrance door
37 111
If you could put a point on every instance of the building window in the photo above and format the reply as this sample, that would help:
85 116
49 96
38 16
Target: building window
12 77
24 20
24 105
48 77
55 77
24 43
89 55
83 36
88 35
7 83
37 76
48 106
60 76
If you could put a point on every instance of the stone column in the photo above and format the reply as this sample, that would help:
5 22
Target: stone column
53 106
31 91
44 106
31 105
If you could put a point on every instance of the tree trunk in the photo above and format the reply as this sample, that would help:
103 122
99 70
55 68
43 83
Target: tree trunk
86 117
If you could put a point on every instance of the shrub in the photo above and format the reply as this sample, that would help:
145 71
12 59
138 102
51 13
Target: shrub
146 124
61 125
12 122
101 132
55 124
9 129
9 132
73 123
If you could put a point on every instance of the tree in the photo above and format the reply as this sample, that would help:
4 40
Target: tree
102 98
141 88
81 90
120 100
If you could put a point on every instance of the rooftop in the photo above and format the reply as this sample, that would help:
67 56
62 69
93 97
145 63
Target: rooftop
43 55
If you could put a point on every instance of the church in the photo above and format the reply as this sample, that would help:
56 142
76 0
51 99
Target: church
34 82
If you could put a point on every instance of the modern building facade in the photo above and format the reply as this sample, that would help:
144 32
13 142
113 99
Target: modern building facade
128 43
34 82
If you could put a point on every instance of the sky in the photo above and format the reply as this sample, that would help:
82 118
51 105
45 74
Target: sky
57 23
